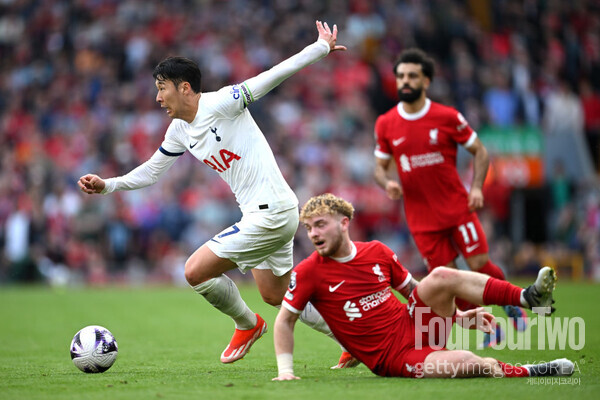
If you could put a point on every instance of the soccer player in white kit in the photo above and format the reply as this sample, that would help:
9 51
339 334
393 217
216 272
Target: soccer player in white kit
218 130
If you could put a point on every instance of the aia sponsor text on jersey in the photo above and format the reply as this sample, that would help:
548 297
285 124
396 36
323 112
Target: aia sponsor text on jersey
222 161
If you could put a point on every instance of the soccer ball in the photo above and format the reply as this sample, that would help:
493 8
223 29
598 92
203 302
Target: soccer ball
93 349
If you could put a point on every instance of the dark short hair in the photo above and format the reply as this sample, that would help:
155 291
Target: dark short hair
178 70
417 56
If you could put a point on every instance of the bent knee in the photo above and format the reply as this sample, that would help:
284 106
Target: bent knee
190 274
443 274
272 299
193 273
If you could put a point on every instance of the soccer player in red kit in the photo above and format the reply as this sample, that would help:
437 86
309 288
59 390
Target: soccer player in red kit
350 283
421 137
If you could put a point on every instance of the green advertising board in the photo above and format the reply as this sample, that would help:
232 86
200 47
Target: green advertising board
526 141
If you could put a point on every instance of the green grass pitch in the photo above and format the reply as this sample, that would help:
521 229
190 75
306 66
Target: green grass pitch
170 340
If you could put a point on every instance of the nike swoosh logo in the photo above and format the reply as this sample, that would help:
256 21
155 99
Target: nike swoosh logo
334 288
471 248
396 142
194 145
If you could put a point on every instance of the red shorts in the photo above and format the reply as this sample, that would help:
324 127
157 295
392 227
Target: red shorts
440 247
420 333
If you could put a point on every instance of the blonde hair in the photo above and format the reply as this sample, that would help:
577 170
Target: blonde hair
326 204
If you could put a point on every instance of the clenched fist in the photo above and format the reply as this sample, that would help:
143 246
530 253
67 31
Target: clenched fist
91 184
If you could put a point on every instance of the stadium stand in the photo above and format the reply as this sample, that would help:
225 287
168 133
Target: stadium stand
77 96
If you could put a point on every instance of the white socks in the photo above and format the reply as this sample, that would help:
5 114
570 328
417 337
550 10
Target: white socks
311 317
222 294
524 302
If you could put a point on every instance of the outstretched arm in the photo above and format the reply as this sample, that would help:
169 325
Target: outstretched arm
283 338
255 88
144 175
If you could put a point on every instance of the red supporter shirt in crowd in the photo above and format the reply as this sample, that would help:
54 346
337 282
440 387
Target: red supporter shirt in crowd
423 146
354 297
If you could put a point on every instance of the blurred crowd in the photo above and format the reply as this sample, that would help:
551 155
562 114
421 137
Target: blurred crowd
77 96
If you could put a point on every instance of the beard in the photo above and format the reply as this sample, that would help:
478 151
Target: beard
336 243
409 97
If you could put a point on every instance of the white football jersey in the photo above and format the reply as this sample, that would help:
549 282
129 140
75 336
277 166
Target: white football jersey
225 137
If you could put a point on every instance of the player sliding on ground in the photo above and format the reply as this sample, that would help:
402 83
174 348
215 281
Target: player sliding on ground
219 131
350 285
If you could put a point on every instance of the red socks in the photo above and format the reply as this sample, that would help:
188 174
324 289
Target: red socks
495 272
501 293
492 270
512 371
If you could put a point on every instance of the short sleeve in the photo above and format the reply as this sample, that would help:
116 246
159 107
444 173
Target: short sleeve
399 276
301 288
382 147
460 130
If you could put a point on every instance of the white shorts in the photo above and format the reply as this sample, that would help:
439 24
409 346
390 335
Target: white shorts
262 240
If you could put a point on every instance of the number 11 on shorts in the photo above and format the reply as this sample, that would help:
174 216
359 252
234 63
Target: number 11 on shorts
467 228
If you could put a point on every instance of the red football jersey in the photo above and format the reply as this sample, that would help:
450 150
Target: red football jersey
424 146
354 297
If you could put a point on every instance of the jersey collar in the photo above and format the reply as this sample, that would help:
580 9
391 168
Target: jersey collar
349 257
414 116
